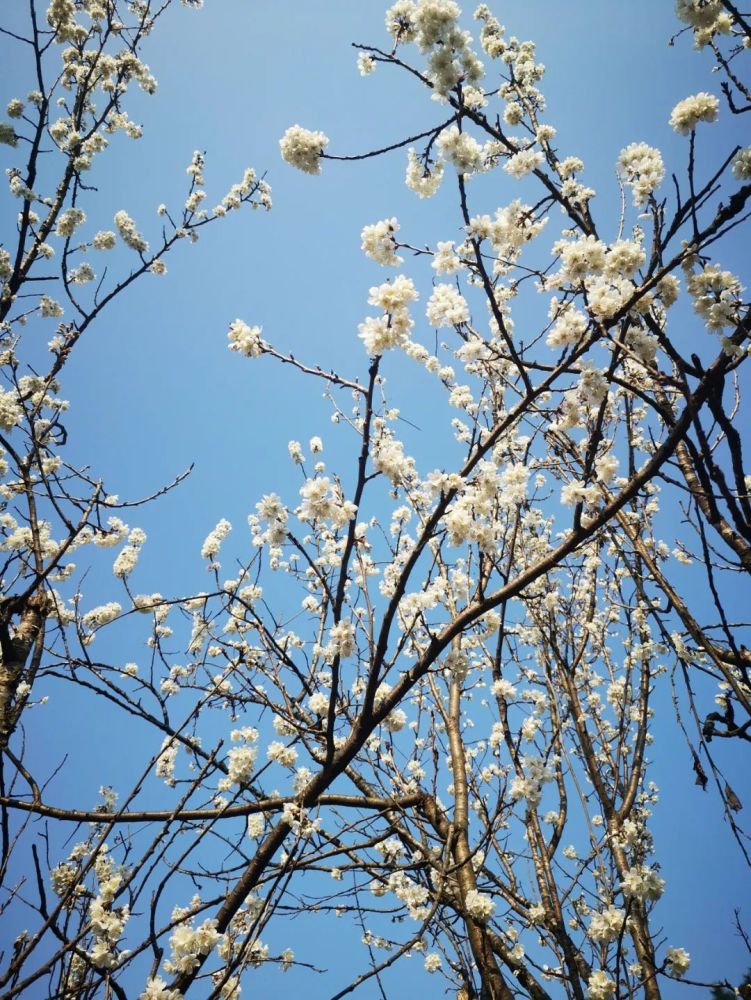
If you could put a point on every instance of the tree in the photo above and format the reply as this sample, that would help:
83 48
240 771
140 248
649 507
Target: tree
511 625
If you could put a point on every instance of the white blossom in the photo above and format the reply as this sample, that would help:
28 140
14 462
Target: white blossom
523 162
742 164
600 986
607 925
642 882
424 181
241 764
302 148
643 169
245 339
366 64
461 149
130 236
678 961
479 906
214 539
378 242
687 113
447 307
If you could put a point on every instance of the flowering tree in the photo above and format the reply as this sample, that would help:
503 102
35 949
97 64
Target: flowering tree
438 727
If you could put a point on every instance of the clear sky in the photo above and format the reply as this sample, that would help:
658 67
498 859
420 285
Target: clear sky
154 388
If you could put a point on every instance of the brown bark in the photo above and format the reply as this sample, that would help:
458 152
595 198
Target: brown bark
15 651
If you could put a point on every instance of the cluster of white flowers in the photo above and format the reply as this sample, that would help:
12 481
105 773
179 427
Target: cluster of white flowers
502 688
605 297
130 236
457 663
698 13
342 639
416 897
189 943
742 164
60 17
514 226
17 187
243 191
479 905
378 242
473 516
49 308
607 925
592 387
245 339
11 412
395 721
382 333
241 763
536 773
256 825
271 510
623 258
102 615
157 989
600 986
642 882
576 492
447 307
514 483
82 274
716 296
128 557
569 327
523 162
64 877
393 296
643 170
389 458
281 754
606 274
432 962
400 21
677 961
107 926
459 148
214 539
68 221
105 239
422 180
687 113
6 268
707 18
606 467
299 820
445 258
318 703
165 762
581 257
322 500
303 149
432 25
366 64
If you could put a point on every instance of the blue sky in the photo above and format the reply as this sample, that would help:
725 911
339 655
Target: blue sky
154 388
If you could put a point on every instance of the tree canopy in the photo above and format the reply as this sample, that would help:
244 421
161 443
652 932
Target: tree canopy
408 725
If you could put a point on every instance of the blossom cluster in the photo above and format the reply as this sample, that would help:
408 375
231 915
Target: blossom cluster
303 149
